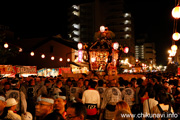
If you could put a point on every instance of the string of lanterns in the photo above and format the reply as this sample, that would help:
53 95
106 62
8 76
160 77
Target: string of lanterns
43 56
6 46
175 36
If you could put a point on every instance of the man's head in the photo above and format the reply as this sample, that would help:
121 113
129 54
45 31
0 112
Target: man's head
92 84
15 83
44 106
47 82
59 102
59 83
77 111
11 104
80 83
2 102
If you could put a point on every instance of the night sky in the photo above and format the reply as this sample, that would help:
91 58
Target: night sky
152 17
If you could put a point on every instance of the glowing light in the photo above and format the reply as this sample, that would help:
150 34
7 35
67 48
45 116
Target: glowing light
60 59
176 12
6 45
127 36
76 39
80 54
76 32
32 53
126 50
77 26
52 58
20 49
176 36
76 13
75 7
68 60
42 56
169 58
80 45
173 53
174 47
116 45
127 15
102 28
127 29
93 59
127 22
169 51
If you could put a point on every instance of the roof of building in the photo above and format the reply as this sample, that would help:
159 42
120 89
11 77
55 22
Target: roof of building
33 43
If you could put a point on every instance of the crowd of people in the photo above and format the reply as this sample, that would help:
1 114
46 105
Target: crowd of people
92 96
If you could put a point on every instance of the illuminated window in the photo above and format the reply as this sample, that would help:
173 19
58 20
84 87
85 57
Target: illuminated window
76 13
127 15
77 26
127 29
76 32
127 36
127 22
76 7
76 39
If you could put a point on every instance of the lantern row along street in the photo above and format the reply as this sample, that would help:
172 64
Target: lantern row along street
176 35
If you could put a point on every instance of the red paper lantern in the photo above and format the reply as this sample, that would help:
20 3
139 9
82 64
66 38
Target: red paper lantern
126 50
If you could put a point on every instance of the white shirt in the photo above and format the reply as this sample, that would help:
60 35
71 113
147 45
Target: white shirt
15 94
152 103
91 96
13 116
128 95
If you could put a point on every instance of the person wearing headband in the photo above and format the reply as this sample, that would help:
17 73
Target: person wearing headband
59 104
59 108
44 106
3 112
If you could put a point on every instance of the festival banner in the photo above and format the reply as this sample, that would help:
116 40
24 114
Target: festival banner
26 69
7 69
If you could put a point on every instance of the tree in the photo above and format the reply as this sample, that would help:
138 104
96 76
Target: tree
6 53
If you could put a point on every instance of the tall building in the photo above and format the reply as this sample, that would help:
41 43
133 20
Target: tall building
86 18
145 52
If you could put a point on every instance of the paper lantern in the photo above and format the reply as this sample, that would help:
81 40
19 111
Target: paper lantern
176 36
176 12
116 45
80 45
32 53
60 59
102 28
52 58
6 45
126 50
174 47
68 60
42 56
